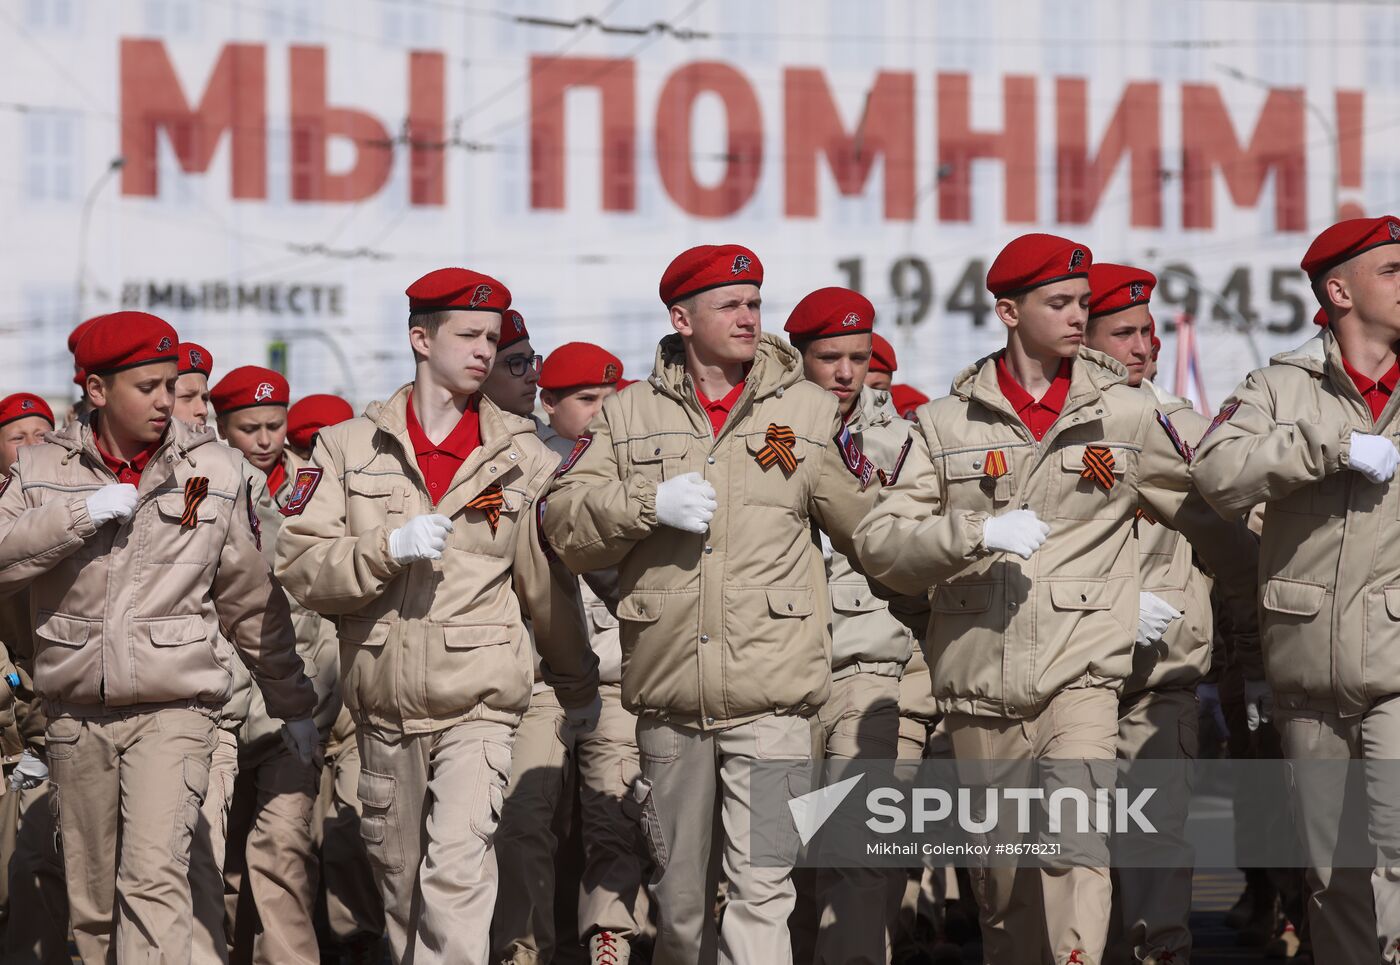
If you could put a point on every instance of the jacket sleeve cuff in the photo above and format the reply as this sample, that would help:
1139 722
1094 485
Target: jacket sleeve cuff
644 491
380 560
973 526
81 522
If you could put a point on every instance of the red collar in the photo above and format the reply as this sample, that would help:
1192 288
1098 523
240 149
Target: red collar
460 443
719 411
277 476
1364 384
1054 398
125 470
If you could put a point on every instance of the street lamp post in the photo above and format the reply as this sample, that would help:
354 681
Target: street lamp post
113 166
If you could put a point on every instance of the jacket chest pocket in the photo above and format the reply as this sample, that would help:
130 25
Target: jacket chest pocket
1091 485
773 470
372 500
979 480
659 457
172 539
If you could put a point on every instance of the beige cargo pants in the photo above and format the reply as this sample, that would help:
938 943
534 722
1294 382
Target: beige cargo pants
129 789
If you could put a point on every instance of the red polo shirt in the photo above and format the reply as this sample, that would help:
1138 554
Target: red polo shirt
719 411
127 472
277 477
1376 394
439 462
1038 414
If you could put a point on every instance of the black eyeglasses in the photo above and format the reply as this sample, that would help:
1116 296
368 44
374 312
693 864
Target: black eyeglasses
520 364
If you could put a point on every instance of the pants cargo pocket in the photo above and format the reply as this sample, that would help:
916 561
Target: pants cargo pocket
495 774
195 775
640 805
61 738
379 823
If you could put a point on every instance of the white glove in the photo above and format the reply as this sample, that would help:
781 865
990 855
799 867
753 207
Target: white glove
30 772
686 502
421 538
1154 616
1374 457
1019 531
585 718
827 550
1258 703
117 501
303 738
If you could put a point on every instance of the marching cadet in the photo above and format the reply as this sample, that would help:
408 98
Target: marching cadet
831 329
31 872
574 382
1312 435
309 415
422 539
192 387
132 534
513 379
1157 715
883 363
701 486
1028 642
272 855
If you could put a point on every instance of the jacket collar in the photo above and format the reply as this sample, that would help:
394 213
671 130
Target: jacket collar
1090 374
177 448
871 410
776 366
1167 402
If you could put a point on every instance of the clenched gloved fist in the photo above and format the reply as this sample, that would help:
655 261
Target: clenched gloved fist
421 538
117 501
1019 531
686 502
1374 457
1258 703
1154 616
303 738
30 772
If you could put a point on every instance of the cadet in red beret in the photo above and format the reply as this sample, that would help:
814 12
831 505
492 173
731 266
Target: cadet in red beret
1120 324
309 415
125 356
24 419
905 399
831 328
192 388
516 371
712 294
706 267
883 363
574 382
250 404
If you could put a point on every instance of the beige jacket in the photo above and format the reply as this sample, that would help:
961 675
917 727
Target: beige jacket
1007 634
1169 570
1330 557
316 636
428 644
865 636
724 627
129 615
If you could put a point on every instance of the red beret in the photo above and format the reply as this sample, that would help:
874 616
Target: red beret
1113 288
1034 260
882 357
124 340
906 399
512 329
194 358
709 266
830 313
1347 239
449 288
312 414
76 336
1320 319
22 405
247 386
580 363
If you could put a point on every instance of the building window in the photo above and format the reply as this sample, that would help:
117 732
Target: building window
50 15
51 154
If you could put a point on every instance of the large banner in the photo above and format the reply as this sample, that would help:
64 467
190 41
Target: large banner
271 174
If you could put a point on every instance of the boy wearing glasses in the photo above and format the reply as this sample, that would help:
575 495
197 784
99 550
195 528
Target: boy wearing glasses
513 378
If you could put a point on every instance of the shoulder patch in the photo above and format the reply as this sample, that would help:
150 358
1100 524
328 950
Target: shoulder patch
892 477
580 447
1182 449
303 487
254 523
855 459
1221 417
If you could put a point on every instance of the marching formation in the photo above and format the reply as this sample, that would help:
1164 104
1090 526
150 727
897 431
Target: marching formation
482 674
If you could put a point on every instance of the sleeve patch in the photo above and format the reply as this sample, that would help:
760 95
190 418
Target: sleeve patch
892 477
1182 449
580 447
1222 417
855 459
303 487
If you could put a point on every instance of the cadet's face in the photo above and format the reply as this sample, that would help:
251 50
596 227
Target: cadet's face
1373 281
571 410
459 354
192 398
880 381
1127 337
1050 319
136 403
28 431
839 365
259 432
722 325
514 393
